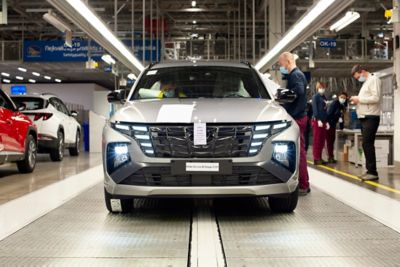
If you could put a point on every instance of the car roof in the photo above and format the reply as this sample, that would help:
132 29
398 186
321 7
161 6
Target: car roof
173 64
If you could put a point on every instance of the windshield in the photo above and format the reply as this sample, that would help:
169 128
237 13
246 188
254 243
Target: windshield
31 103
200 82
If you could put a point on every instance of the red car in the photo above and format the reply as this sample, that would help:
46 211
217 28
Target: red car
18 136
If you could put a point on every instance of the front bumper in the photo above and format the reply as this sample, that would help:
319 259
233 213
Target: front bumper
124 182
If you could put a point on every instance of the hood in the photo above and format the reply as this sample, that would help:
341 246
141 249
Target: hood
215 110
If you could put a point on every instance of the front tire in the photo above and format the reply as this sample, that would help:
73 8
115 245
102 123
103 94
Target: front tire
27 165
117 205
284 204
57 154
74 151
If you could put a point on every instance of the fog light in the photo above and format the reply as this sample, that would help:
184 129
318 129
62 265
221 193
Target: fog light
284 153
117 156
121 149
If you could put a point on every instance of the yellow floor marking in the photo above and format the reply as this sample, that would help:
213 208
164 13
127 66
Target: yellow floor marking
354 177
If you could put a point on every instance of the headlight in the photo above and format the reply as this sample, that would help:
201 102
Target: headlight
284 153
263 131
117 156
139 132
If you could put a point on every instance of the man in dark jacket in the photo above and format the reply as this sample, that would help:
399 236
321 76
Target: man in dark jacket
297 82
320 124
336 112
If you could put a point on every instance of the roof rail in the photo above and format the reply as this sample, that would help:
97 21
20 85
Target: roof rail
152 64
246 63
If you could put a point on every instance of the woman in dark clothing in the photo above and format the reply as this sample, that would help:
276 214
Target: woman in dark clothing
319 123
335 114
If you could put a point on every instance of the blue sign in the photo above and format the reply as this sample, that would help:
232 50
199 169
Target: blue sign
327 43
18 89
57 51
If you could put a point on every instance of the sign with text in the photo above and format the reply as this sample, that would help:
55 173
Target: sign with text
57 51
327 43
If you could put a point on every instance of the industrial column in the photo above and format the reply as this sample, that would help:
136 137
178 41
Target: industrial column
276 21
396 29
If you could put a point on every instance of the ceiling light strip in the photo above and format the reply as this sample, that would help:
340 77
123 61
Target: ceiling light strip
98 27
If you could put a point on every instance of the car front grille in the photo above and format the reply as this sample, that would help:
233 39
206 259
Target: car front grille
241 176
222 141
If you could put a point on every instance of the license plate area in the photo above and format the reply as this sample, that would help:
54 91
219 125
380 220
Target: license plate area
179 167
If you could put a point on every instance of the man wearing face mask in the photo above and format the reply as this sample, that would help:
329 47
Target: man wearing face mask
368 112
320 124
336 112
297 82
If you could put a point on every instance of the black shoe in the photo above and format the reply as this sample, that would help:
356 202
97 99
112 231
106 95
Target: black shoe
320 162
304 192
332 161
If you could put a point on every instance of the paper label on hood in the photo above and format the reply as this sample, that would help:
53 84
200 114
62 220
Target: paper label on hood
200 134
175 113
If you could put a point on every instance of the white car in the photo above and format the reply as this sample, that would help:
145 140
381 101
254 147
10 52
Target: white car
57 126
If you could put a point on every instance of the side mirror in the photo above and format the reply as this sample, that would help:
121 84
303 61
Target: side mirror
21 107
285 96
74 113
114 97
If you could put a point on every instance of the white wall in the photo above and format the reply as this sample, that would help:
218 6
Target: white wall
91 96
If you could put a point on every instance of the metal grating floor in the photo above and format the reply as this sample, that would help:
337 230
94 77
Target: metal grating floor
322 232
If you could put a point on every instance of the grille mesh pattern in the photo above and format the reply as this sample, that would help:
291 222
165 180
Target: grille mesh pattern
222 141
161 176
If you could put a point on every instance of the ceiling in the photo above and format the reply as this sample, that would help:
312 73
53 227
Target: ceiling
25 22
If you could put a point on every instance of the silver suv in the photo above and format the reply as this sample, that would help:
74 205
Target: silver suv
201 129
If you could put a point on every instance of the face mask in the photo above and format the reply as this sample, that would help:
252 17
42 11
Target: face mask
284 70
170 93
321 91
342 101
362 79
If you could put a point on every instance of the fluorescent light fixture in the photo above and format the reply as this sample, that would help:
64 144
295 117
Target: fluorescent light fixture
194 3
57 80
22 69
307 20
47 77
37 74
5 74
132 76
19 78
57 22
108 59
6 81
349 18
194 22
86 13
32 81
